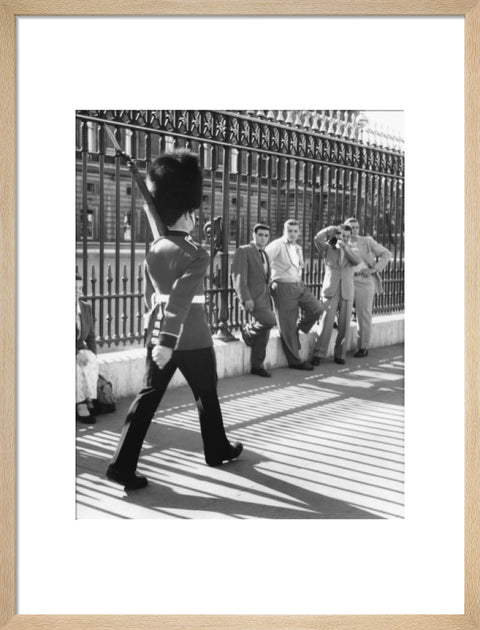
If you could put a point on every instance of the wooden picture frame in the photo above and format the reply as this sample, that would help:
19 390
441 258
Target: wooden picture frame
9 11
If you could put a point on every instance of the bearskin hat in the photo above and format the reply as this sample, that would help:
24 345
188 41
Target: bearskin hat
175 181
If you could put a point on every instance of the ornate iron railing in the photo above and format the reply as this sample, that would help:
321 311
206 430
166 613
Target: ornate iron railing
319 167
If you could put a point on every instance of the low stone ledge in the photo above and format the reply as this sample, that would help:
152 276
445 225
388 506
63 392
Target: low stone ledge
125 368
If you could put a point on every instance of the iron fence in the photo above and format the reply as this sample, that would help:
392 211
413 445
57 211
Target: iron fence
316 166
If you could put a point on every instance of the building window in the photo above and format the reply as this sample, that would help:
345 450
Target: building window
169 144
92 137
233 229
127 227
128 141
234 161
213 158
262 166
89 234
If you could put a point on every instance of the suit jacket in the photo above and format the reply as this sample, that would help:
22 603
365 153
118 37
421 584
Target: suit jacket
338 267
375 256
249 278
175 268
282 265
85 335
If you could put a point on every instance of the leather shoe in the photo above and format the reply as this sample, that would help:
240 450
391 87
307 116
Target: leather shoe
306 365
235 449
339 360
361 352
260 372
315 361
246 338
86 419
131 481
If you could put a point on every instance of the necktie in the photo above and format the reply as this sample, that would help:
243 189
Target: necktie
264 260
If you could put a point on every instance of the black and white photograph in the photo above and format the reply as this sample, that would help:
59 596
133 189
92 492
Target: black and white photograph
240 314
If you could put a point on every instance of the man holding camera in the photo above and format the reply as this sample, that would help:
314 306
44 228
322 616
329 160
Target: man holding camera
337 290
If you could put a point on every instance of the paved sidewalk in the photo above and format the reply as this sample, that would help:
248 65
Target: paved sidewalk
322 444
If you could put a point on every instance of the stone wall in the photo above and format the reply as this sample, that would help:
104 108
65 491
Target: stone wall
125 368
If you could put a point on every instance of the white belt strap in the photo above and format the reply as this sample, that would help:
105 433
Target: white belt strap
162 298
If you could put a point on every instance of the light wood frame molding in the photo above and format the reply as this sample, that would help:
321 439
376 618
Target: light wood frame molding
9 11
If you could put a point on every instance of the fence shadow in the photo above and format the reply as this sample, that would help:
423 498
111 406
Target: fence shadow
327 445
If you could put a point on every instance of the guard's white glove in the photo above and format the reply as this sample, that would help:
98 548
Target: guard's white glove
161 355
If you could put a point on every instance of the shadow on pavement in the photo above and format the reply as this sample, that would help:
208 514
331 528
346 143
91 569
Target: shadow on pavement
324 445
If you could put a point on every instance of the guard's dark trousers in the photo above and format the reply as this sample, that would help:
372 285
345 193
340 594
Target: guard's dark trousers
199 369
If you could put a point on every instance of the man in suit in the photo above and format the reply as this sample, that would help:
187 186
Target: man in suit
337 290
367 281
290 293
178 335
251 276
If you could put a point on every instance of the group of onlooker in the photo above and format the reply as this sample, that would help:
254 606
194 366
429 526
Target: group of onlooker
262 271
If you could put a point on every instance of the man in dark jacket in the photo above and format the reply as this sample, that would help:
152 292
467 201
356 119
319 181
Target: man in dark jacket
251 277
178 335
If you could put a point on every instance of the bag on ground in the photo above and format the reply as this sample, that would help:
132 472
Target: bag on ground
106 400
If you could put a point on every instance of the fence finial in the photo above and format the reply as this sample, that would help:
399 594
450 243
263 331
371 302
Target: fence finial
338 123
331 122
323 118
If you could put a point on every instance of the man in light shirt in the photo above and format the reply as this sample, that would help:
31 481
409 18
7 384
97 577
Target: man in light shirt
290 293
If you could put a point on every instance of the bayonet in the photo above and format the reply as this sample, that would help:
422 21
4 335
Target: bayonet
155 222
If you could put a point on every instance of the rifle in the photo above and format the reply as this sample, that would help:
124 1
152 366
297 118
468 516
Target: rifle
155 222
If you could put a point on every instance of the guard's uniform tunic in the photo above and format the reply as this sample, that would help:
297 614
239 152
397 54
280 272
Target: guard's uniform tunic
174 269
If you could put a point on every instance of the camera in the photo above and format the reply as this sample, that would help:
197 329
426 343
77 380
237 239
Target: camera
334 240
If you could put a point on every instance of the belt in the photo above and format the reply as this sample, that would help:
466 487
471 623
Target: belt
281 281
163 298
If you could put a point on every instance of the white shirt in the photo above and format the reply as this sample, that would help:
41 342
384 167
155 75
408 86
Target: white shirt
286 260
293 252
361 265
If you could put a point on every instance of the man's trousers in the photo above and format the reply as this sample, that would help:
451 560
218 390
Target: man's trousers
288 297
258 330
326 327
364 296
199 369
